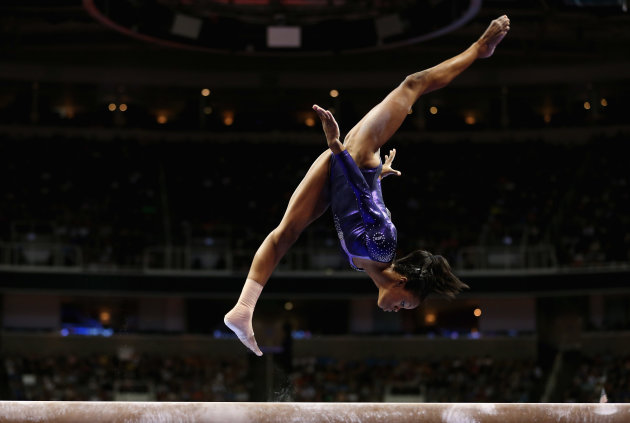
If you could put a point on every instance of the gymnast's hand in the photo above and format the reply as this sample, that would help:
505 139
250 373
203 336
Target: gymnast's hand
387 166
331 129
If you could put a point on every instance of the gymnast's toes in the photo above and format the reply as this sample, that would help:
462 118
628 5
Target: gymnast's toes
250 342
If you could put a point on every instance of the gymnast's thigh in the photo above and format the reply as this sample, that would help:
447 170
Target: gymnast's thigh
311 198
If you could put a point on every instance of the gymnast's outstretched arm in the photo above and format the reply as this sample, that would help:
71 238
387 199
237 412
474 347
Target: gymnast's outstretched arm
369 212
377 226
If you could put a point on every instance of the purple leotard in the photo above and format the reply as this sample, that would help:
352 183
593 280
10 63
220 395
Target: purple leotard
361 219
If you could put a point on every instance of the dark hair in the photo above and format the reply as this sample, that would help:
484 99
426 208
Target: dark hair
427 274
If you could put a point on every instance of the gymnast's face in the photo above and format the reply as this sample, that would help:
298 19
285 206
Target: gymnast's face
395 296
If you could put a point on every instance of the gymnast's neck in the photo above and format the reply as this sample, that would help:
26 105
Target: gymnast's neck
380 273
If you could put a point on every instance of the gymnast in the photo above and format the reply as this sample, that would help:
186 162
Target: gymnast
347 177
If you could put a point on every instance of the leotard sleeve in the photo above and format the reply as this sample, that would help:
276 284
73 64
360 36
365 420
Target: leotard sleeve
375 237
368 209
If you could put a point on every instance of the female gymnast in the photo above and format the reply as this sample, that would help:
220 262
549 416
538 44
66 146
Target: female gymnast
347 177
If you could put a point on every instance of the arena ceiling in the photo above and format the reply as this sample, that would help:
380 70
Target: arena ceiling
74 42
544 32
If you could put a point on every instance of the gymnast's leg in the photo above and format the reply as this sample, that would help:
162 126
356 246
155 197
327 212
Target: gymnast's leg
309 201
380 123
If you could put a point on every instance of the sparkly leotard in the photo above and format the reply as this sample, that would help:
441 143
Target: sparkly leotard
362 221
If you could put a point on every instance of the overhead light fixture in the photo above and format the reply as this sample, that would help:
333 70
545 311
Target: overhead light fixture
284 36
186 26
388 26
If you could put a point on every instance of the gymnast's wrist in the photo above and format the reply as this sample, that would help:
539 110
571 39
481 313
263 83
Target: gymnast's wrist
336 146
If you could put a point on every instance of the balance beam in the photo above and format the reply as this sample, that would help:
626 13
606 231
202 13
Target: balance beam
269 412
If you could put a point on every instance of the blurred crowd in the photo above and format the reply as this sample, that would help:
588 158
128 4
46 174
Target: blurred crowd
477 379
103 377
602 375
108 378
116 199
194 378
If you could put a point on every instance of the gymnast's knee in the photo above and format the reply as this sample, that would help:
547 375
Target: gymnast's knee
416 82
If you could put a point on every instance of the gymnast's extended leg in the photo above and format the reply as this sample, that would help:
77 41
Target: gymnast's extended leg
309 201
380 123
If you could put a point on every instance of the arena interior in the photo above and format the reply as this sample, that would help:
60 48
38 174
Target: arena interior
147 147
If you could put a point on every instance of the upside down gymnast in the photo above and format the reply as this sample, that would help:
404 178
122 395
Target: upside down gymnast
347 177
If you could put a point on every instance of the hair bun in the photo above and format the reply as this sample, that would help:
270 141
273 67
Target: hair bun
427 273
438 265
435 262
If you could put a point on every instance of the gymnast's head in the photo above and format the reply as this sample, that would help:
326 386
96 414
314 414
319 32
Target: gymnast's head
415 277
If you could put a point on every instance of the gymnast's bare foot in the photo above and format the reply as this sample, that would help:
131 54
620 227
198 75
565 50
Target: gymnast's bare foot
239 320
492 36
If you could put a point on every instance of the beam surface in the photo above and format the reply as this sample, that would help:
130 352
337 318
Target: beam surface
223 412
